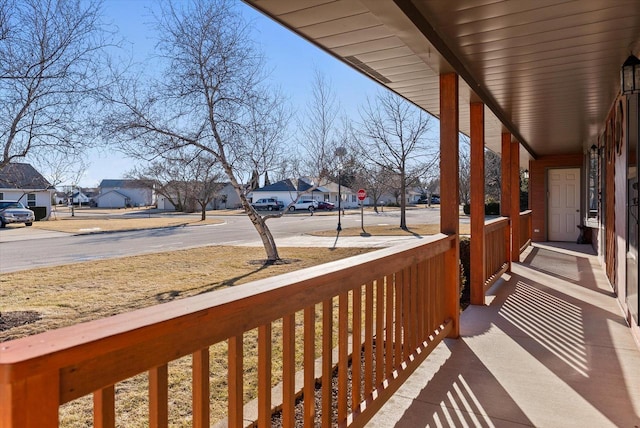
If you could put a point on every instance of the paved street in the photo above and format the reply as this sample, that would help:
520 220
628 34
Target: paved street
25 248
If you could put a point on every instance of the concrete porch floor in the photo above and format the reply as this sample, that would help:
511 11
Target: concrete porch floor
550 349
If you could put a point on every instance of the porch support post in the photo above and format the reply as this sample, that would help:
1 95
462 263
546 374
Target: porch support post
505 190
449 194
477 205
515 201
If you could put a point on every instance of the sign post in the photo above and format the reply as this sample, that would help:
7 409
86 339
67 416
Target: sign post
362 194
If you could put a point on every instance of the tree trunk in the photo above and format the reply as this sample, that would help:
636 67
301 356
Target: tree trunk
259 223
403 201
265 234
203 216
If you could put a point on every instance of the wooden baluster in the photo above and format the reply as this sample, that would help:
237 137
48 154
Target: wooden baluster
288 370
264 375
368 339
422 308
159 397
343 354
379 331
389 327
104 407
200 369
413 288
398 319
356 348
406 312
327 362
235 381
309 366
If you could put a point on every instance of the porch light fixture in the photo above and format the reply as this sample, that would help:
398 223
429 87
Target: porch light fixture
630 75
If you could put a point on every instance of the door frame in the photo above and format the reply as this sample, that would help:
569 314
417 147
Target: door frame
548 170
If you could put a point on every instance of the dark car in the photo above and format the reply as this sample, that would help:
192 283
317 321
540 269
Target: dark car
270 204
434 200
324 205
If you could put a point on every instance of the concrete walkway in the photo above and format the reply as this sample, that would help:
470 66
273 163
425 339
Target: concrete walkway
550 349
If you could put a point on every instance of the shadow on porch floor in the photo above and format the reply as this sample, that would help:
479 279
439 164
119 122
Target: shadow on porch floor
551 348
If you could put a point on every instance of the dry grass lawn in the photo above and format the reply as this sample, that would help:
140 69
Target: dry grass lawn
84 225
81 292
419 229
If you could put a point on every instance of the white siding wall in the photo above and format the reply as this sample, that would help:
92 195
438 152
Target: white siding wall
43 198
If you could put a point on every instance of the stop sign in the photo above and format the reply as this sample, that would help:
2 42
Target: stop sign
362 194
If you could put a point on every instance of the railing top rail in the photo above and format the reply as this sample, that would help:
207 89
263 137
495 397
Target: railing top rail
525 213
495 224
154 335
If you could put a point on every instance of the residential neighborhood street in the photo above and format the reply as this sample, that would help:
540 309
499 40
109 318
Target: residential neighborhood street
24 248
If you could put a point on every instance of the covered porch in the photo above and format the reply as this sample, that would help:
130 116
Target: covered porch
551 348
549 345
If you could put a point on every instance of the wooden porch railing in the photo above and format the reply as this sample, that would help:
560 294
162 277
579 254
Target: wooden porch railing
496 241
525 230
389 307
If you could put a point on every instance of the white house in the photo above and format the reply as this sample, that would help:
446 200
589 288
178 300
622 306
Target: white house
21 182
123 194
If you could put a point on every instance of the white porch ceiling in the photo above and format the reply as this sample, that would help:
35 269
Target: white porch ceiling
548 71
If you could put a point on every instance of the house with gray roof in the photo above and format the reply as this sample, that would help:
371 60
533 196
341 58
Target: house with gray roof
124 193
22 182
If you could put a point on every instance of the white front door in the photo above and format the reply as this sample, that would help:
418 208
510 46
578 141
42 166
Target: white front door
564 204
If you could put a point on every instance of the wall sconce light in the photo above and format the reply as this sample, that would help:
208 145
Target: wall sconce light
594 149
630 75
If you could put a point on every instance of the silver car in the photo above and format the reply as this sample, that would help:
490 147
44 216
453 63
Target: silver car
15 212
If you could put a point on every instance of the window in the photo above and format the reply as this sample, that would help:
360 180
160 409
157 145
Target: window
31 200
593 183
1 195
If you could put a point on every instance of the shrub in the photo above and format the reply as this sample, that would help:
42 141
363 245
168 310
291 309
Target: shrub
490 208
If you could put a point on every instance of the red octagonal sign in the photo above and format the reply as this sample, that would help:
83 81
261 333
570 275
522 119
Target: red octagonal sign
362 194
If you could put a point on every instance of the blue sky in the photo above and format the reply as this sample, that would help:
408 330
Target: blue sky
291 59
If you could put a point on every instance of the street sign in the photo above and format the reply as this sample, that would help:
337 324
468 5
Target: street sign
362 194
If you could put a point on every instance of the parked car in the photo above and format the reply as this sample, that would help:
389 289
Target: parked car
434 200
304 204
271 204
15 212
325 205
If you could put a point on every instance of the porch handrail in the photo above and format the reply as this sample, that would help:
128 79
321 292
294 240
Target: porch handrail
525 230
404 284
496 240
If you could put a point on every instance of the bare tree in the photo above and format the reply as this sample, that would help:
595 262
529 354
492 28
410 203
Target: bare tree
318 128
464 171
60 168
392 135
50 60
493 172
375 180
213 97
187 179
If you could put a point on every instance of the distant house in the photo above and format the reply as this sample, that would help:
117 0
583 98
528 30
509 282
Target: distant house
84 196
226 198
286 191
22 182
122 193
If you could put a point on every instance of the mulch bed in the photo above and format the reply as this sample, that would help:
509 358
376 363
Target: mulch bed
9 320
